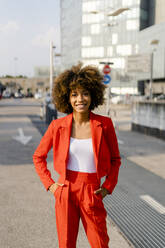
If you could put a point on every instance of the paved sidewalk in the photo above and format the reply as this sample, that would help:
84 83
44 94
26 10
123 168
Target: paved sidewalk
144 150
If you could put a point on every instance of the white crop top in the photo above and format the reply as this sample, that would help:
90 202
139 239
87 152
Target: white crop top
81 156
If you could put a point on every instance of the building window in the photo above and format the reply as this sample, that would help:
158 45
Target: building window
133 13
91 5
91 18
92 52
114 38
132 24
130 2
110 51
118 63
124 50
136 48
90 62
127 2
86 41
143 15
95 29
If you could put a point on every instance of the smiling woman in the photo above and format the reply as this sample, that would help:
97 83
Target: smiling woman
85 149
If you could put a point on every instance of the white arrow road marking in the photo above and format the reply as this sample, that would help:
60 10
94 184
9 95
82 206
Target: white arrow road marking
154 204
22 138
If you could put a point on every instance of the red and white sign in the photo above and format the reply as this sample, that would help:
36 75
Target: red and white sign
106 69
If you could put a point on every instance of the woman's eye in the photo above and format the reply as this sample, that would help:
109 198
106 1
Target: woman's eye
73 94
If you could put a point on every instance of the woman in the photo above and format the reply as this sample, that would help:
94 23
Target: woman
85 149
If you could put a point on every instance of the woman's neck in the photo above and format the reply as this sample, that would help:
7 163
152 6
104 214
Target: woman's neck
80 118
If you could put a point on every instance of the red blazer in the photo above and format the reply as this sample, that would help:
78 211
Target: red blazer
105 147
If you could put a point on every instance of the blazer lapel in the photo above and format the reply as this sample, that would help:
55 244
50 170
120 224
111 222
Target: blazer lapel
65 133
96 129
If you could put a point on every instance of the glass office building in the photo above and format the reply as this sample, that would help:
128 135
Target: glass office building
152 41
94 31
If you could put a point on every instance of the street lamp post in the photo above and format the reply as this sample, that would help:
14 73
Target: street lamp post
118 11
151 74
51 66
152 43
57 55
115 13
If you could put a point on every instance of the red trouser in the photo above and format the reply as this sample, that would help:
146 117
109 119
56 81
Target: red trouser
75 200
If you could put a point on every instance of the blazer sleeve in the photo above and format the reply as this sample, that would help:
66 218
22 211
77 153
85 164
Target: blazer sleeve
112 177
40 156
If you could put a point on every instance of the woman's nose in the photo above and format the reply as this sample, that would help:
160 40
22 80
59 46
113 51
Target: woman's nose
80 97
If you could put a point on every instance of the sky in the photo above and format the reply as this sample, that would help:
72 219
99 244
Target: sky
26 28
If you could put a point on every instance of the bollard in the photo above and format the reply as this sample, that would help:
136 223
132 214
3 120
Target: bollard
51 113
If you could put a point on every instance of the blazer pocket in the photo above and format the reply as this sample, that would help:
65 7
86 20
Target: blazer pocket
57 192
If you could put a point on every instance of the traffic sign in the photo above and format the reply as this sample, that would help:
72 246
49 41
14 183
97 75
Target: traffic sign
106 69
107 79
138 63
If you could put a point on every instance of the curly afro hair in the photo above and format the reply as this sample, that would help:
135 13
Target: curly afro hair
88 77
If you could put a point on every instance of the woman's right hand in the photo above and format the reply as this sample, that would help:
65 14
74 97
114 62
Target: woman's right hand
54 187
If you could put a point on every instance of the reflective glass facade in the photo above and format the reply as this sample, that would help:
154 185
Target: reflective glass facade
71 26
147 13
90 35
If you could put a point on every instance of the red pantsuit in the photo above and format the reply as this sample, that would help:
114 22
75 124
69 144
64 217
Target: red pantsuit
76 199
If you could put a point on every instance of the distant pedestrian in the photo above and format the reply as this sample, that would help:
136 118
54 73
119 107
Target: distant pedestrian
85 149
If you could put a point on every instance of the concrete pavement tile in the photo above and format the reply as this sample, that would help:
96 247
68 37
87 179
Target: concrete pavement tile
154 163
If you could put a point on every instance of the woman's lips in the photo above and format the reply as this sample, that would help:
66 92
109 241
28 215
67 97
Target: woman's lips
80 105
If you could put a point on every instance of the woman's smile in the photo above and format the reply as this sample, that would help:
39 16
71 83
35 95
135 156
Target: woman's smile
80 105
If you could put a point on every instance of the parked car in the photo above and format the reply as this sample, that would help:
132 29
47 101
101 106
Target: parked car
161 97
29 95
6 94
117 99
18 95
38 95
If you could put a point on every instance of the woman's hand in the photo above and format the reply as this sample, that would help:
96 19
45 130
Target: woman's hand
54 187
101 191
